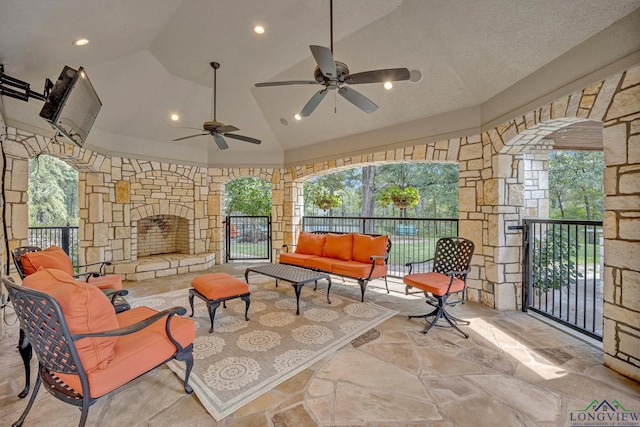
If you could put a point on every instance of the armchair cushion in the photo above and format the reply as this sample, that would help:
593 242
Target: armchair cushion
436 283
310 243
135 353
86 310
364 246
338 246
52 257
111 281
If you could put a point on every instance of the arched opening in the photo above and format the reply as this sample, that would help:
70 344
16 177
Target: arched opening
247 210
363 199
54 215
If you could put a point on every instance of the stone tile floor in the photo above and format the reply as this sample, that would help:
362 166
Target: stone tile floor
514 370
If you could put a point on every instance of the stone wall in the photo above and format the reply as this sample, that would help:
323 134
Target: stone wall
493 179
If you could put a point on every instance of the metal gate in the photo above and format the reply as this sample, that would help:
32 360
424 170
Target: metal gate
248 238
562 278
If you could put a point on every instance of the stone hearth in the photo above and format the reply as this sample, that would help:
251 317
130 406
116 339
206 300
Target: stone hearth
162 265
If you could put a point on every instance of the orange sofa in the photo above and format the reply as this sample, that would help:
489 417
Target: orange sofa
355 255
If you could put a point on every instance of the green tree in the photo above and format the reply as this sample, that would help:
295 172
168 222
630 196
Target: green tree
576 188
248 196
53 192
333 185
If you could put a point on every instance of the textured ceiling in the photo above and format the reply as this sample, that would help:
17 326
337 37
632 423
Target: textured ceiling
149 58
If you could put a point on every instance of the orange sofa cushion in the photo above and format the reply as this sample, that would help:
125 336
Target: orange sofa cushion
136 353
310 243
357 269
364 246
294 259
320 263
436 283
339 246
219 285
86 309
52 257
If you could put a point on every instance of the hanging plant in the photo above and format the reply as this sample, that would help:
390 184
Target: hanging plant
401 198
326 201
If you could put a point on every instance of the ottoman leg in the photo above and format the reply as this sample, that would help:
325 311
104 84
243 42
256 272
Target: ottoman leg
213 306
246 310
191 301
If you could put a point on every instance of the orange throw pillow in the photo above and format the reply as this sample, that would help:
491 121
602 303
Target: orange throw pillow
338 246
364 246
52 257
310 243
85 308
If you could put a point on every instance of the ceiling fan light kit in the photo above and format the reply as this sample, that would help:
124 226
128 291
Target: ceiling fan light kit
335 75
217 129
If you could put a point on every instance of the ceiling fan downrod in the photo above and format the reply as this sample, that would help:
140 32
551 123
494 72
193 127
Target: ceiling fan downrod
215 66
331 22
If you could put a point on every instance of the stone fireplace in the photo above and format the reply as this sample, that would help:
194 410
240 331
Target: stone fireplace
163 234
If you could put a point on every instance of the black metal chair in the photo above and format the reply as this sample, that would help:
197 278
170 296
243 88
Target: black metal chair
43 322
448 276
19 252
118 301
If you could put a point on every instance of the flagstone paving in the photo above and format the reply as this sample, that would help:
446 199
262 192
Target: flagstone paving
514 370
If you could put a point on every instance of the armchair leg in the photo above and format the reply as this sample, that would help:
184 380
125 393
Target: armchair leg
186 355
26 352
32 399
386 284
441 312
453 321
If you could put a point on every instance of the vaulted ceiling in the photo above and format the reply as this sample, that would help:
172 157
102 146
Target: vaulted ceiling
479 60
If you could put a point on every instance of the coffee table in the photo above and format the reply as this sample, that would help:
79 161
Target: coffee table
297 276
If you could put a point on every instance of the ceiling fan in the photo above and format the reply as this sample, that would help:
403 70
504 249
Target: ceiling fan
334 75
215 128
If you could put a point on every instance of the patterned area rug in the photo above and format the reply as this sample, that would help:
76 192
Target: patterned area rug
242 360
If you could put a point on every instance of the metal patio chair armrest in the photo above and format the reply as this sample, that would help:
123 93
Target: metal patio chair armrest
412 263
138 326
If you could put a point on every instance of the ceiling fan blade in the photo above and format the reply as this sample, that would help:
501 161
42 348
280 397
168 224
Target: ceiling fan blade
289 82
190 136
358 99
226 128
313 102
325 61
220 142
378 76
243 138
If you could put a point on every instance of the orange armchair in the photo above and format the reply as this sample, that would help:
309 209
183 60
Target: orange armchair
448 276
85 350
28 259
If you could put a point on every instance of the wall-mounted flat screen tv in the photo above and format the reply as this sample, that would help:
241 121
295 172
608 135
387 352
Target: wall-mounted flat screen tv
72 105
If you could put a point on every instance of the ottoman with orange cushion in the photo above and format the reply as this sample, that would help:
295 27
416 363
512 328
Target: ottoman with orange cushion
216 288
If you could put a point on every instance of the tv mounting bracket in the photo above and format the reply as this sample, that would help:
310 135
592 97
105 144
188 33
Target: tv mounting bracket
18 89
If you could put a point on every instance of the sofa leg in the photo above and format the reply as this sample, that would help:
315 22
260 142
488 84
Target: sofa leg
363 286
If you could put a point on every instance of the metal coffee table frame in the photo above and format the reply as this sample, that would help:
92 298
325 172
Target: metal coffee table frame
297 276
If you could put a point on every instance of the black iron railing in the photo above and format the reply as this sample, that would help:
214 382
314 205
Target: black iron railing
413 239
248 238
563 272
65 236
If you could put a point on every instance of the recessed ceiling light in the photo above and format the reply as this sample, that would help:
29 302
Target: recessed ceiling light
259 29
284 122
80 42
175 117
298 117
415 76
388 85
